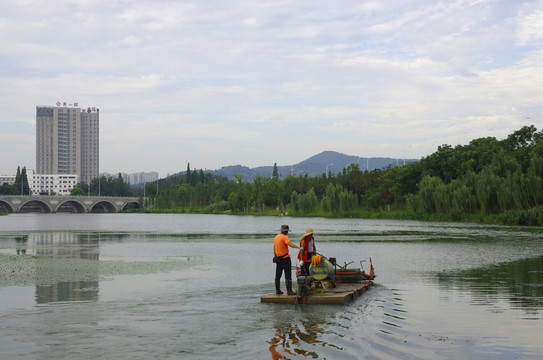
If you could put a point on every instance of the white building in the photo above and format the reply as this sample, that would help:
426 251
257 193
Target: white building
46 184
7 179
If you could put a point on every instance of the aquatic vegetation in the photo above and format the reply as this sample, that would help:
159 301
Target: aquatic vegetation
17 270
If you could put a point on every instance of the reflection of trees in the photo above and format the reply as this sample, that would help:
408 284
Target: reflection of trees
289 339
519 282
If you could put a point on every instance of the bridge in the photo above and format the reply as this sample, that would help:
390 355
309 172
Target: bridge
73 204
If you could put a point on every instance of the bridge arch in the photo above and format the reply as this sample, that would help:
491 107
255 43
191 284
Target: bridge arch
131 205
71 206
6 207
103 206
35 205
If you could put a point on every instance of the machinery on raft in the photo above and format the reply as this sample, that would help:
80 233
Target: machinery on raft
326 273
327 283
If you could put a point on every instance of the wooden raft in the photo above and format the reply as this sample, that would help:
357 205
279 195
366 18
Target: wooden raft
341 294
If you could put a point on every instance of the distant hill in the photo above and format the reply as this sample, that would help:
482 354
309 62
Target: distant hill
314 166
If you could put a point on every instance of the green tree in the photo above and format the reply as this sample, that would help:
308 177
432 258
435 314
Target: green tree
295 201
331 200
188 175
77 191
234 202
275 173
24 179
308 202
259 184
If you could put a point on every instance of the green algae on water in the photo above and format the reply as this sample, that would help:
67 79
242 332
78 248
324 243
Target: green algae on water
23 270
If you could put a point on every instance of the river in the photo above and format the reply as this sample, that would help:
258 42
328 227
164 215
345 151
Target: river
170 286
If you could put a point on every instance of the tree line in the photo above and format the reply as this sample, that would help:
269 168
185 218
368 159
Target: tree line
485 180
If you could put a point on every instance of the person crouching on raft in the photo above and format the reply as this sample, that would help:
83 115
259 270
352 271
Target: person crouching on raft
281 243
307 250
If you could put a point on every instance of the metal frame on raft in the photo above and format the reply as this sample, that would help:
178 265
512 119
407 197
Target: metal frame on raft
341 287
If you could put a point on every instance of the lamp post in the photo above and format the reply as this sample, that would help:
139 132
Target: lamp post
144 194
156 196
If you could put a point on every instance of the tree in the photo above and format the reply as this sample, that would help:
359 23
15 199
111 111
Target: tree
24 180
188 175
6 189
259 183
234 203
331 200
522 142
77 191
275 173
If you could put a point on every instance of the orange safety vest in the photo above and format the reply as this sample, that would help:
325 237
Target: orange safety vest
305 240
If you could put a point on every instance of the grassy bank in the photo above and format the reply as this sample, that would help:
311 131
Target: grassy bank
532 217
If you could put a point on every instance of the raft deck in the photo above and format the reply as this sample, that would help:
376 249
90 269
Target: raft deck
343 293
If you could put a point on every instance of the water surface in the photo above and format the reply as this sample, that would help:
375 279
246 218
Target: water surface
140 286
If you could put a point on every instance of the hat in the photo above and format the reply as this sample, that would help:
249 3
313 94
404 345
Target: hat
309 231
284 228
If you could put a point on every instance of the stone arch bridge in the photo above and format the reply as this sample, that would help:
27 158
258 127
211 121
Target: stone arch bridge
73 204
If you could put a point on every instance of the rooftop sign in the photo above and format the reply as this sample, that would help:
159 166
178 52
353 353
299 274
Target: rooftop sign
75 104
67 104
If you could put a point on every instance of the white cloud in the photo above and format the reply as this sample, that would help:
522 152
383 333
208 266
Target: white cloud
273 81
529 22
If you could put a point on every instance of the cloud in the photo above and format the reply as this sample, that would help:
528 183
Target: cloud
255 83
529 24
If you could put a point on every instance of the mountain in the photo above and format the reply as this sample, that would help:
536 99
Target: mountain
326 161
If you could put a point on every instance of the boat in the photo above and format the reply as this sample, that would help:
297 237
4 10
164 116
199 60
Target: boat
327 283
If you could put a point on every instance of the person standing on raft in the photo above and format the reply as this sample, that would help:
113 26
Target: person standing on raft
281 243
307 250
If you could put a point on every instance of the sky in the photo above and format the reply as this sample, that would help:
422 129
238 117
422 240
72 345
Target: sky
213 83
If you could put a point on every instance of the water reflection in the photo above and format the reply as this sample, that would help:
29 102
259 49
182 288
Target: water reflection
289 339
66 244
67 291
66 266
21 244
520 283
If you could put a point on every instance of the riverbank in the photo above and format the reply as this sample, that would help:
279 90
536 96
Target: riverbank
532 217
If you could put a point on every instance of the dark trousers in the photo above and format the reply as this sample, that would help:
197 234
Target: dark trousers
305 268
283 265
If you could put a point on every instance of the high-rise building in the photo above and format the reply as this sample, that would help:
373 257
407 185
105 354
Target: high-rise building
67 141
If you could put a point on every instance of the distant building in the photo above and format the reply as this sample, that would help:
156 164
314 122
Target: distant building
136 178
7 179
142 177
46 184
67 141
